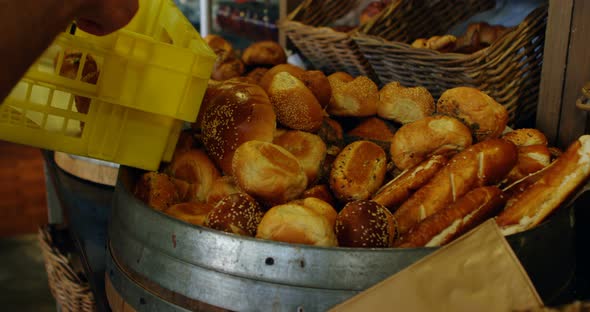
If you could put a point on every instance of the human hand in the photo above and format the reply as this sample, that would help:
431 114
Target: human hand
101 17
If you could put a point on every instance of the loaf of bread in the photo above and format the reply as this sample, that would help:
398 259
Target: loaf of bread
552 188
308 148
436 135
445 43
299 223
404 105
482 114
457 218
268 172
357 98
319 85
525 137
295 105
238 113
373 129
398 190
237 213
320 191
194 167
358 171
264 53
267 78
482 164
221 188
257 73
156 190
365 223
193 213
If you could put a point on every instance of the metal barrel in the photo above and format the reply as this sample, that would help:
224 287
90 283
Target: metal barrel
246 274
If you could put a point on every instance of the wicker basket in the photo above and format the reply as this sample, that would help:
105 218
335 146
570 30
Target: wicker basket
70 291
330 51
508 70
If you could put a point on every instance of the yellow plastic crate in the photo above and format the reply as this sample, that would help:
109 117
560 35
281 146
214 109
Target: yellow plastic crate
153 75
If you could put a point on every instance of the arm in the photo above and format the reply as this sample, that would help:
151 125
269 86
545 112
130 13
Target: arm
29 27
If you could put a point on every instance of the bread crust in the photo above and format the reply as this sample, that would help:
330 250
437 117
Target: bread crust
485 163
404 105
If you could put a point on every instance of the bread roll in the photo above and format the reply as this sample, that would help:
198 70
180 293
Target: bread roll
320 191
526 137
193 213
404 105
357 98
237 213
227 69
90 74
264 53
221 188
436 135
238 113
295 105
332 134
221 47
358 171
319 85
267 78
365 223
374 129
156 190
297 224
195 167
444 43
552 188
268 172
398 190
482 164
257 73
458 218
320 207
484 116
309 149
531 159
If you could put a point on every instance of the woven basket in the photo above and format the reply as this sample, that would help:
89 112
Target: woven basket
509 70
70 291
330 51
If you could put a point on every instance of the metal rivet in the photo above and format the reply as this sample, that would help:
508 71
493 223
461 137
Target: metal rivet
269 261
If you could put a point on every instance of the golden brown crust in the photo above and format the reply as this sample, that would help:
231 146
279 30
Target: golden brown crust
156 190
485 163
531 158
222 187
404 105
264 53
444 43
308 148
319 85
526 137
221 47
237 213
320 191
365 223
267 78
227 69
257 73
193 213
484 116
358 171
332 134
268 172
553 186
357 98
295 105
373 128
238 113
435 135
451 222
320 207
297 224
194 167
398 190
90 73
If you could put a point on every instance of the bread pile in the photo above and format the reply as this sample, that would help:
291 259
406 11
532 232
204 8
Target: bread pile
477 36
298 157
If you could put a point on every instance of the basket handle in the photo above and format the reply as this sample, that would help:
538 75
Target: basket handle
586 93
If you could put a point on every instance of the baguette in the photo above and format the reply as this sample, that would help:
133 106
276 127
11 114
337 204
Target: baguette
451 222
553 187
485 163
